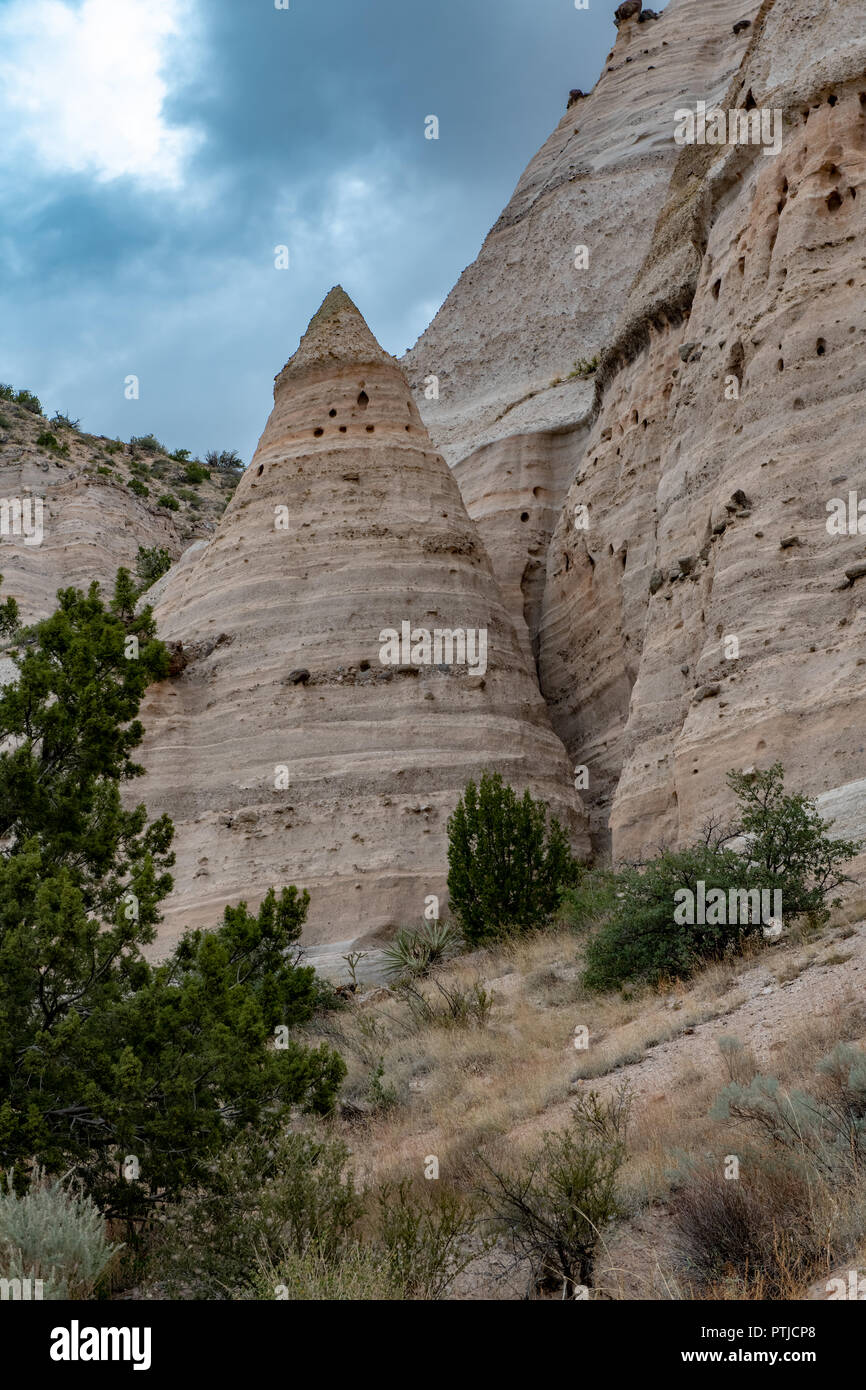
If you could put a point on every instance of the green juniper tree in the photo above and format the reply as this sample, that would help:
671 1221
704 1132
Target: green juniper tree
103 1056
507 865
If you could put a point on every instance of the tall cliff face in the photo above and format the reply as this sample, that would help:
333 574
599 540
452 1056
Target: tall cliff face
705 620
524 313
286 750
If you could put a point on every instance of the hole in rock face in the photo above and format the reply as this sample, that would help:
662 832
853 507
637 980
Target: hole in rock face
408 429
741 265
524 516
318 432
750 102
260 470
821 347
342 429
717 287
831 101
363 400
863 98
332 413
781 364
834 201
370 429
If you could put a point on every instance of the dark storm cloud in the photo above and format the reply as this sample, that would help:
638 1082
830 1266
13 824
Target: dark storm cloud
303 127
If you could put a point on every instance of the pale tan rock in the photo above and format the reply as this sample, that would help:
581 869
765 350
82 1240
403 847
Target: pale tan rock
92 524
522 315
375 756
672 468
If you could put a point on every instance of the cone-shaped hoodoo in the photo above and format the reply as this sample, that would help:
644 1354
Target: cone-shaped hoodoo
351 664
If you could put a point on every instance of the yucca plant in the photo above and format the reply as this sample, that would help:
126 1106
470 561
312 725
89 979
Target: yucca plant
414 951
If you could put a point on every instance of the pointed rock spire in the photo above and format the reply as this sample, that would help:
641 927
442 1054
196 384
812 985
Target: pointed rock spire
353 664
337 333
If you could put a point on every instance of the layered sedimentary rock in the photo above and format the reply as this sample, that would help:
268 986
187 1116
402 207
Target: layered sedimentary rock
505 346
290 747
77 525
707 618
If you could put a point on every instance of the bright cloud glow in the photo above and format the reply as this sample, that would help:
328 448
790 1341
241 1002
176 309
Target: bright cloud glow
83 87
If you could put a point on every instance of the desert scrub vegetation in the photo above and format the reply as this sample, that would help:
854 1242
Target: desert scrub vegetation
26 399
46 440
414 951
642 930
794 1204
147 444
54 1233
288 1219
556 1204
508 861
226 460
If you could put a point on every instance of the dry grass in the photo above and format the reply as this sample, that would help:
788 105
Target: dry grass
461 1092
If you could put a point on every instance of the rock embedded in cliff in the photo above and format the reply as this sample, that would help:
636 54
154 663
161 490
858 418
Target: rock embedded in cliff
627 10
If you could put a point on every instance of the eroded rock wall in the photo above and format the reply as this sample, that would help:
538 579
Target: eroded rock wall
704 620
511 415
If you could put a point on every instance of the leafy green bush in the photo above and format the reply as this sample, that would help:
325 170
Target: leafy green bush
114 446
591 899
788 847
55 1234
556 1205
148 443
507 865
641 938
5 422
166 500
63 421
29 402
46 440
7 392
138 487
786 850
180 455
415 952
150 564
195 473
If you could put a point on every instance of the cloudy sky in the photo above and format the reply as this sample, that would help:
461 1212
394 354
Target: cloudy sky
154 153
